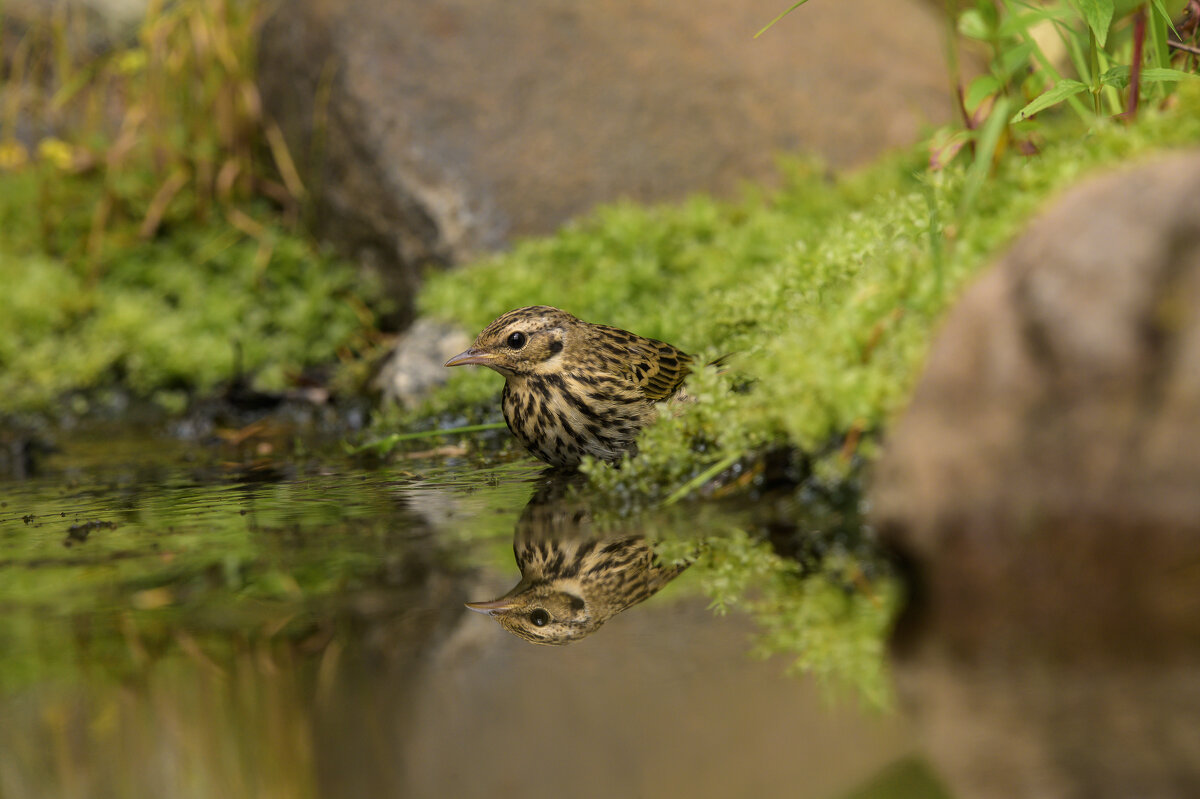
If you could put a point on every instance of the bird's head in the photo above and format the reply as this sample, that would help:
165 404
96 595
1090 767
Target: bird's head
543 614
521 342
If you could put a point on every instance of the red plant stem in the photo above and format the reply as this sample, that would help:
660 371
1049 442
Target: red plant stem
1135 69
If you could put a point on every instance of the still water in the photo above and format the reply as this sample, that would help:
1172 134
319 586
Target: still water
269 618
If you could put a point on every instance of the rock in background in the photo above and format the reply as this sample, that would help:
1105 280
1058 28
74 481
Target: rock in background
1044 490
434 131
415 365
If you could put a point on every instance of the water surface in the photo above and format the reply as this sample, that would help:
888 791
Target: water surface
268 617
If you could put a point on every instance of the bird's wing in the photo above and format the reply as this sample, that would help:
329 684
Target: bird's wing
657 368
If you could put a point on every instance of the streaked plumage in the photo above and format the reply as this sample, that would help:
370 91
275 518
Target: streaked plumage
573 580
573 388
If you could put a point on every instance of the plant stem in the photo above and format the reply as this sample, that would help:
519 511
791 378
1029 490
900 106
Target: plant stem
953 65
702 478
387 442
1135 67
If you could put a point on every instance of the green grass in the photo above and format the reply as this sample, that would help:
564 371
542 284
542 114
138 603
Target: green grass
829 291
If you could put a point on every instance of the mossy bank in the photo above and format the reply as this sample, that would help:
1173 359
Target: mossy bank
829 292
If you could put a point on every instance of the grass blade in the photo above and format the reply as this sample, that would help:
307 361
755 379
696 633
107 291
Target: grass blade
1164 16
387 442
985 152
771 24
702 478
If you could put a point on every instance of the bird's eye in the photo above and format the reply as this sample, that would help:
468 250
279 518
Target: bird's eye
539 617
517 340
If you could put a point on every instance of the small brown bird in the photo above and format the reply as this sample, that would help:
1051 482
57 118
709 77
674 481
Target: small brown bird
571 586
572 578
573 388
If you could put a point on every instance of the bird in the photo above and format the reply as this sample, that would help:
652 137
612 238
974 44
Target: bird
573 579
574 388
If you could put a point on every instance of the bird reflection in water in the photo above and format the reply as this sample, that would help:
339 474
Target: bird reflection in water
573 578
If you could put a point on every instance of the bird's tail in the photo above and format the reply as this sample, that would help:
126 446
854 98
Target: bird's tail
721 363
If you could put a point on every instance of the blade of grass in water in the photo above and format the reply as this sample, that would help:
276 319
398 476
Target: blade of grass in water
387 442
702 478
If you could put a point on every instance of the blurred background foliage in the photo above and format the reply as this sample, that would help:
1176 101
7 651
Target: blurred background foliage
1099 58
148 216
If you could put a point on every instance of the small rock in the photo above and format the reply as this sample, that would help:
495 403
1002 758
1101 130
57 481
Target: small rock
415 367
78 533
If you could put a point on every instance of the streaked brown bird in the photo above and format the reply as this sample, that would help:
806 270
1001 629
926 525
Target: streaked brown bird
572 387
573 579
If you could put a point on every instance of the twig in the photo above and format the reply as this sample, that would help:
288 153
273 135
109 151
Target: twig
162 199
1187 48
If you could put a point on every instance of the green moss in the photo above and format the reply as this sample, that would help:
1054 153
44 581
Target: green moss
830 620
909 778
164 315
828 291
143 235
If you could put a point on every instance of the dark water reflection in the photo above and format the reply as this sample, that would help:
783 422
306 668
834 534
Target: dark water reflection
232 628
574 577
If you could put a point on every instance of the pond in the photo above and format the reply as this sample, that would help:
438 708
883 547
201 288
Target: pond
264 615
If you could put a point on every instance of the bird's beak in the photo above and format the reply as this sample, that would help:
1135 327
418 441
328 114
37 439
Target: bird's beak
491 608
471 356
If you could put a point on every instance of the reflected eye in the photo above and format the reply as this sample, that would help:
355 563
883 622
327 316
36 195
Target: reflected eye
517 340
539 617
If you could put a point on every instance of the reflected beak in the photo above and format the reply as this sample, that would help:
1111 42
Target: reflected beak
491 608
470 357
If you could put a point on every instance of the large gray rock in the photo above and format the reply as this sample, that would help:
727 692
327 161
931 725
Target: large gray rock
433 131
1044 488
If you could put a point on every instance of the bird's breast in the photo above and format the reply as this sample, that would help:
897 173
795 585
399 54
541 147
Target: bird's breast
560 418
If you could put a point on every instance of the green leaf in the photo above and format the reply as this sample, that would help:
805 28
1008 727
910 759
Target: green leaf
1165 16
771 24
979 90
1118 77
985 153
1098 14
945 145
1162 74
1053 96
1021 23
972 25
1015 58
